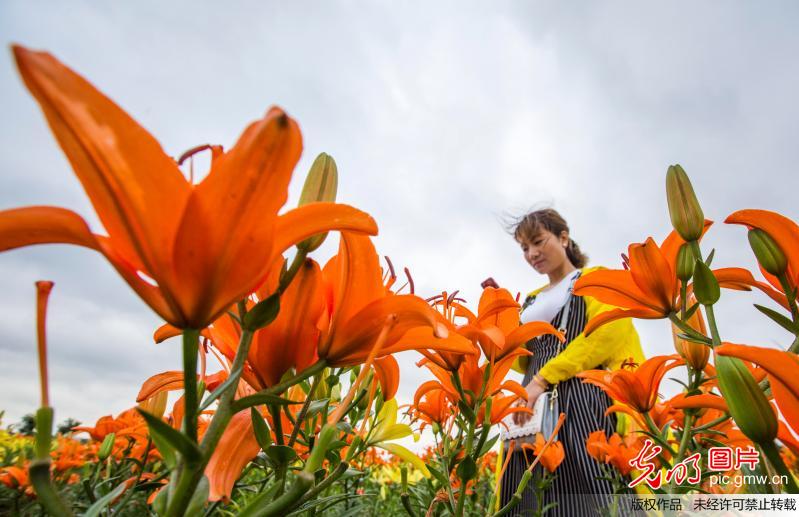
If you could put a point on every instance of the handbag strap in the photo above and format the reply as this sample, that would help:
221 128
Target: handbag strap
564 316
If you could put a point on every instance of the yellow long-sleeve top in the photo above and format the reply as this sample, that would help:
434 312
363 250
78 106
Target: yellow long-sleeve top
607 347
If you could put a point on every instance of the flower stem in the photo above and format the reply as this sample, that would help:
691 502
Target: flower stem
39 472
711 320
188 477
190 339
303 411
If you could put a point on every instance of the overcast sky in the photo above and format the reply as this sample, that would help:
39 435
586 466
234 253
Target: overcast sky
443 117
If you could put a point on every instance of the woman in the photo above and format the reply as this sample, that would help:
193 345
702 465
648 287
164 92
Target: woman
549 249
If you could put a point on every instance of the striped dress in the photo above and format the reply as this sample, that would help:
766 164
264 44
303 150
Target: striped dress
576 489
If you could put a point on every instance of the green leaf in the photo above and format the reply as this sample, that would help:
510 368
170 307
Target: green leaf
259 501
262 314
467 468
352 473
315 407
160 502
440 477
691 310
488 445
261 430
466 410
706 287
100 505
200 497
176 439
281 454
336 444
779 319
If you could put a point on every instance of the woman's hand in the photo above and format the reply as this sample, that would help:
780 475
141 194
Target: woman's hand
534 390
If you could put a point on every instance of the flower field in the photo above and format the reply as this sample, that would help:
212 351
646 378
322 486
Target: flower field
285 401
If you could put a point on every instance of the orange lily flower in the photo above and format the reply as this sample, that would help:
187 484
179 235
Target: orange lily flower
502 406
450 309
496 327
621 451
596 445
432 406
552 457
105 425
204 246
649 289
617 451
784 232
359 306
471 377
638 389
290 341
781 368
661 414
16 478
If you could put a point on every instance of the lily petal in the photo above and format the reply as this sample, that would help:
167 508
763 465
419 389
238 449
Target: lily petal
136 189
43 225
613 287
616 314
237 447
388 375
164 381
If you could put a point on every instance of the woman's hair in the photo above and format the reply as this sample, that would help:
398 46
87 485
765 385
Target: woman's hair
528 226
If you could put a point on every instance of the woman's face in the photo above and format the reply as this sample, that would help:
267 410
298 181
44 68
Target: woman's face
545 251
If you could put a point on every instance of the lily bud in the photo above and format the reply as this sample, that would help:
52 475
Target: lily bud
685 263
326 436
696 355
706 287
747 403
768 252
686 214
320 185
106 446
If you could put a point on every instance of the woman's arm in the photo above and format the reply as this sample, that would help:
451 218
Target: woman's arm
609 344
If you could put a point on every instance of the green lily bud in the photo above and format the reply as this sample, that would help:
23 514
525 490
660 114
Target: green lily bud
106 446
768 252
748 405
326 435
684 210
706 287
320 185
262 434
685 263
